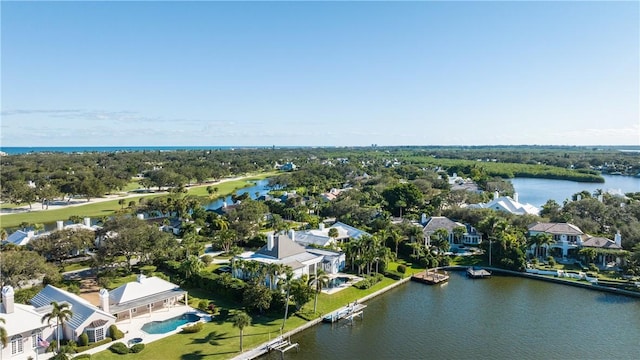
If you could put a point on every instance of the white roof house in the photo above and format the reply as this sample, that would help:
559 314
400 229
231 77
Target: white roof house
141 296
320 236
508 204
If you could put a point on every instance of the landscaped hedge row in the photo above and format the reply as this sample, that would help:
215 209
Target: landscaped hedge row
222 284
368 281
92 345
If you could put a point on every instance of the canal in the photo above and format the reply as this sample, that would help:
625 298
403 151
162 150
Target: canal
497 318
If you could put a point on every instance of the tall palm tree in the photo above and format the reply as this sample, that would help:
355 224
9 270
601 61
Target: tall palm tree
3 335
287 283
241 320
61 314
397 237
540 241
317 281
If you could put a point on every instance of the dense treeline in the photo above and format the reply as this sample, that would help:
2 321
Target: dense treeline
41 177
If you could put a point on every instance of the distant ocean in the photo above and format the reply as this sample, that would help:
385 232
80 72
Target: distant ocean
85 149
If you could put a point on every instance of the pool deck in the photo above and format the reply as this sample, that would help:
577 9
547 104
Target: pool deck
132 328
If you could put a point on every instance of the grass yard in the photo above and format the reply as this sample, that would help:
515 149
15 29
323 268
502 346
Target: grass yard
220 340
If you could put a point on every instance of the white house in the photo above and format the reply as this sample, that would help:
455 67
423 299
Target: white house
282 249
569 239
320 236
507 204
87 318
141 297
27 335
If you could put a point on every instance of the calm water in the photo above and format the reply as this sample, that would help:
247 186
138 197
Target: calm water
538 191
497 318
260 188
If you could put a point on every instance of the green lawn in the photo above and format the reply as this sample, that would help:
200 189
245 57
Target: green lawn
220 340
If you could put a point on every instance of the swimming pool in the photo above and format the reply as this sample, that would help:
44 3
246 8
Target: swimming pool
165 326
336 282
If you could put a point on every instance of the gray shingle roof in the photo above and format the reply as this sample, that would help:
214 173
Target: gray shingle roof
283 247
440 222
556 228
600 242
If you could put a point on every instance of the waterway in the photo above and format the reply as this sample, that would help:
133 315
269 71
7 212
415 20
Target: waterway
538 191
256 190
497 318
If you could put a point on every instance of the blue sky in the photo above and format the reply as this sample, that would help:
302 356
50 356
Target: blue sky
320 73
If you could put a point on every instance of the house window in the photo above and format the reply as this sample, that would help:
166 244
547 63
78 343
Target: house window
17 347
95 334
34 338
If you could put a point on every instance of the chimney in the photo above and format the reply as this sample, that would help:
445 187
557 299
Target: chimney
87 222
600 198
292 234
140 216
104 300
270 242
224 204
59 225
321 226
31 234
618 238
496 194
578 197
7 299
423 219
515 197
141 278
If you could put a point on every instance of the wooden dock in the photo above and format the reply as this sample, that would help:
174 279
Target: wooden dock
347 312
431 277
477 273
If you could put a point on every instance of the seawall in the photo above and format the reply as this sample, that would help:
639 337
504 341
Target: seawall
264 347
552 279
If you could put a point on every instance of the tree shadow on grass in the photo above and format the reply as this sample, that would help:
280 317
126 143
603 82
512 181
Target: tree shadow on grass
212 338
198 355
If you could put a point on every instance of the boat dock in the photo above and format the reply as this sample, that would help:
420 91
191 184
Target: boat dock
282 345
348 312
431 277
477 273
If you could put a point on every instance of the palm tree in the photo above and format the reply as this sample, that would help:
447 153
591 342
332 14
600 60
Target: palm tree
241 320
317 282
61 313
191 266
397 239
3 335
539 241
287 282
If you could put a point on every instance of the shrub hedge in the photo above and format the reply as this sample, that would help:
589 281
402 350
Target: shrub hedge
137 348
192 328
115 332
92 345
119 348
